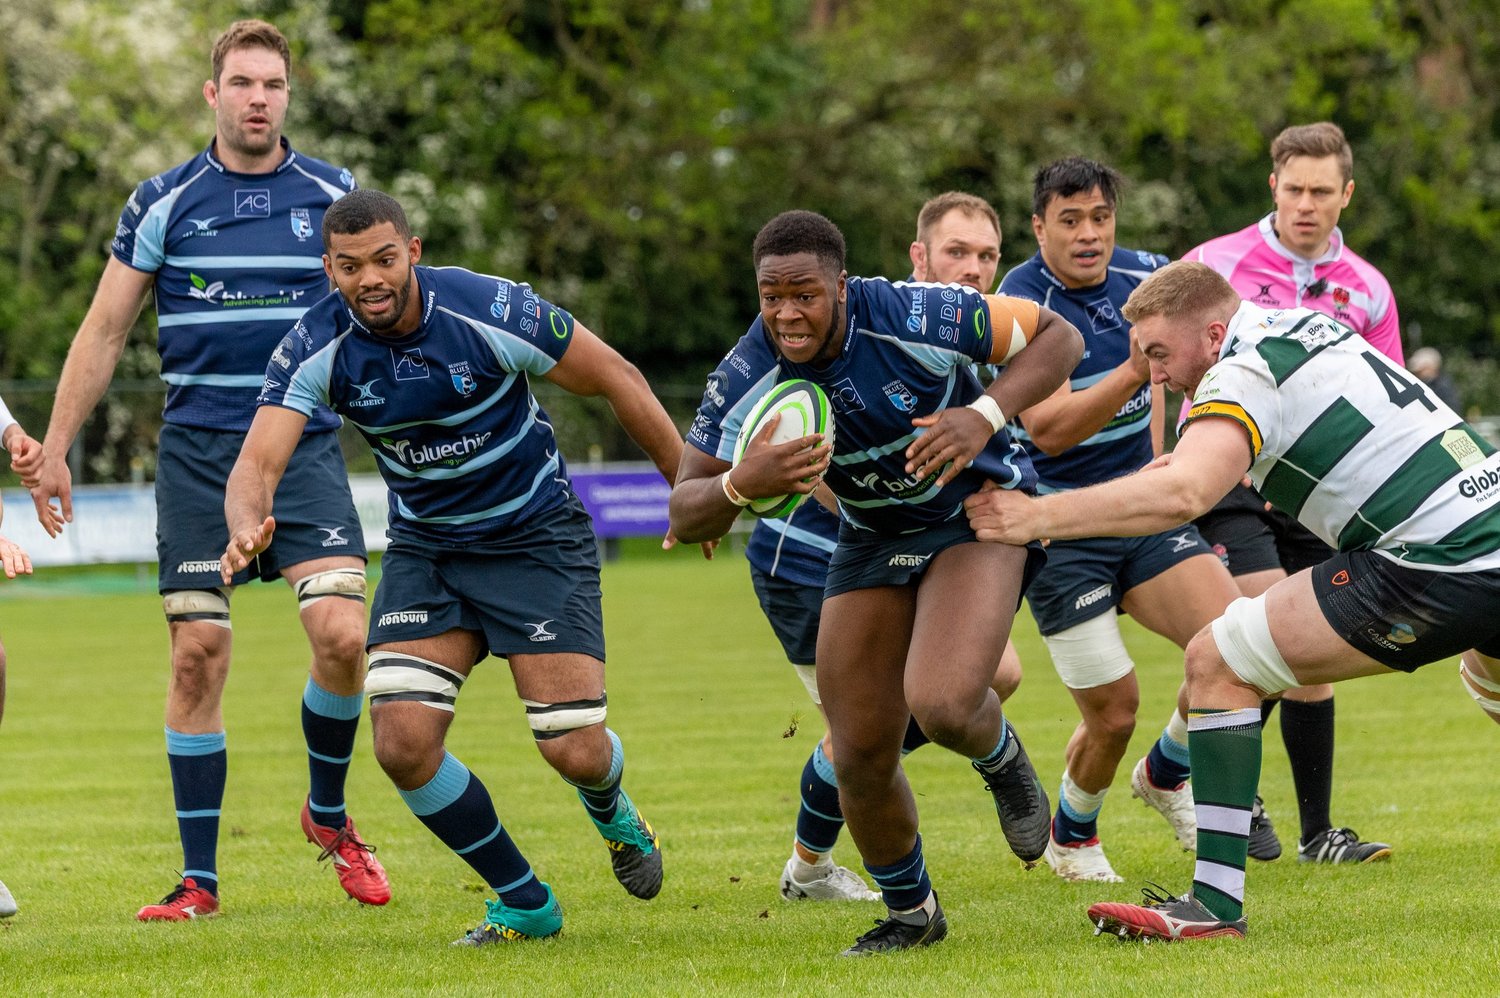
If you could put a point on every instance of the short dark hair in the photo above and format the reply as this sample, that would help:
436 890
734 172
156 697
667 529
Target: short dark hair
1321 138
1073 175
249 34
363 209
800 232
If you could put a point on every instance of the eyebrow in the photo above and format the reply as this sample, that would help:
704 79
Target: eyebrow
350 256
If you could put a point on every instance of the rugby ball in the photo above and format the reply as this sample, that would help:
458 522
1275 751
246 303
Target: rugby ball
804 410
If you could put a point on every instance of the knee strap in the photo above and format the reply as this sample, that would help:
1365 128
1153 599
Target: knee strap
552 720
1484 692
393 676
209 605
342 583
1090 654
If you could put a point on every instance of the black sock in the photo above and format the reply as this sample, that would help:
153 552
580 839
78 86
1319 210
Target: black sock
1266 707
1307 730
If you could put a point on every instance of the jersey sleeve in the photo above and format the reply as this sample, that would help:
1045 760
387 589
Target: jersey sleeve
1239 389
527 332
141 234
731 391
1384 333
1015 322
297 375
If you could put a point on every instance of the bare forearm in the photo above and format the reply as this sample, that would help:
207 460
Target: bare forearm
700 510
1064 422
648 424
85 376
1037 371
1147 502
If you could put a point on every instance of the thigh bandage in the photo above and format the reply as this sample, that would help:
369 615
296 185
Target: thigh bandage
1484 692
553 720
1090 654
340 583
209 605
1243 636
393 676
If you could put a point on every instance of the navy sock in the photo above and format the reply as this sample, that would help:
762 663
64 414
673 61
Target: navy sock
601 801
457 808
1167 764
915 737
903 884
820 818
199 765
329 722
1307 731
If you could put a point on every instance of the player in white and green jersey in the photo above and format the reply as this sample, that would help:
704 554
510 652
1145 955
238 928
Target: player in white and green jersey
1362 454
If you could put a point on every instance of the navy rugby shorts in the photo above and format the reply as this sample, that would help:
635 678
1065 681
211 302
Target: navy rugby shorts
865 559
1247 537
794 611
1088 577
534 591
313 507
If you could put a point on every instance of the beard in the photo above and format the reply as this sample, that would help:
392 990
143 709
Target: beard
387 321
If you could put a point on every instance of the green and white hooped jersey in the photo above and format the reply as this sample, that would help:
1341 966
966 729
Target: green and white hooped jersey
1354 447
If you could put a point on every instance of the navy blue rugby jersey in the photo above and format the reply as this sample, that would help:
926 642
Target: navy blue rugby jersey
238 257
909 349
462 444
1123 445
795 548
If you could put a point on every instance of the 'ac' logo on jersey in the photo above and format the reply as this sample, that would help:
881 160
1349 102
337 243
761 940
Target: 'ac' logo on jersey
1102 315
252 203
410 364
845 398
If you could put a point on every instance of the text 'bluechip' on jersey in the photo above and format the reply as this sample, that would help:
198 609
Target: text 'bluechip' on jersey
1123 445
238 257
909 349
462 444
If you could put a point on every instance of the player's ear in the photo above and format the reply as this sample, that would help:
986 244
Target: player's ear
1348 193
328 266
414 249
918 254
211 94
1272 182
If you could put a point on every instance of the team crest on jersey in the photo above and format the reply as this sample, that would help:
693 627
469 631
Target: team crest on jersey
845 398
410 364
901 396
1102 315
302 226
1341 298
713 390
463 380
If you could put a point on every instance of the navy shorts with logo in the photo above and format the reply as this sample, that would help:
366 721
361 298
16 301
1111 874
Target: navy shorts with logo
1404 617
1247 537
534 592
313 507
865 559
1088 577
794 611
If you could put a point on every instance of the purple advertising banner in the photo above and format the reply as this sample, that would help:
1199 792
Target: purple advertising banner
624 500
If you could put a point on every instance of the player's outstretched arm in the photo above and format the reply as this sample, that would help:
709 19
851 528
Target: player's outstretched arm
86 374
252 484
590 367
1071 416
1208 462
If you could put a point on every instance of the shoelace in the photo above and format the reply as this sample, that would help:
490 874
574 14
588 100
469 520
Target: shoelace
1155 895
342 838
1026 806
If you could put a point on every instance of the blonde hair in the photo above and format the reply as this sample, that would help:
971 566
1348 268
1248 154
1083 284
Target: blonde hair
1182 288
249 34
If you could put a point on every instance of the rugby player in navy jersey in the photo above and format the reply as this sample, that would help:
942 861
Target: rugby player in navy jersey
916 613
1105 422
491 552
227 243
958 242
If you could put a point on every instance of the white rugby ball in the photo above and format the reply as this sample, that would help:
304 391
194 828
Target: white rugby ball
804 410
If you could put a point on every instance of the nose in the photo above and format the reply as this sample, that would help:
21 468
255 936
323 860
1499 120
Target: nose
1158 373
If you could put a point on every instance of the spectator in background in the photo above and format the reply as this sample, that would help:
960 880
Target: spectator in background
1427 364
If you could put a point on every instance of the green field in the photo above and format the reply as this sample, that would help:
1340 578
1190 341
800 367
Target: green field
705 703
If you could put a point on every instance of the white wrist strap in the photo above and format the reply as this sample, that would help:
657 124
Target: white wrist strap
731 493
987 407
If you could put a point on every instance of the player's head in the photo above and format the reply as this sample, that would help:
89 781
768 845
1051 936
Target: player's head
1312 179
250 88
1073 217
368 252
1181 316
799 270
958 241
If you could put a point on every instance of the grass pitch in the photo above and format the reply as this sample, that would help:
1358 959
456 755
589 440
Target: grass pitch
707 709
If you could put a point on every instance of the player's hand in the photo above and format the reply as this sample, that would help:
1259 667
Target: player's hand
707 547
769 469
25 455
953 440
1159 461
243 546
1003 515
52 480
14 560
1137 359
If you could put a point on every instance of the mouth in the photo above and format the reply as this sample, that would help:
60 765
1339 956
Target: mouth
377 303
794 341
1087 258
